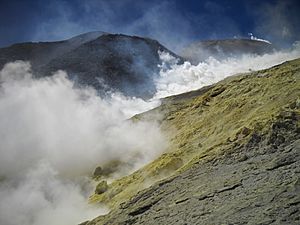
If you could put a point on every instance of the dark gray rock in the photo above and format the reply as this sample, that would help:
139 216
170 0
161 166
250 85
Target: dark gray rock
128 64
255 183
101 187
41 53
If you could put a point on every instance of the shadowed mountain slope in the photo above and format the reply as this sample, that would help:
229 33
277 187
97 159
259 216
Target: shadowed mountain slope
220 49
105 61
40 53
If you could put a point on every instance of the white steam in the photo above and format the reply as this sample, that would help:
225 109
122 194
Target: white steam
252 37
52 133
41 197
175 79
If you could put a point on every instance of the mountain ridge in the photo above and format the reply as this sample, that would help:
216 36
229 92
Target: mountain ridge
221 49
118 62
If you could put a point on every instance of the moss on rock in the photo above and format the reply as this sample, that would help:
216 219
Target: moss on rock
101 187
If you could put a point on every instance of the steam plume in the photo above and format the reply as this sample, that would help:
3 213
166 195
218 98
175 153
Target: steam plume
52 135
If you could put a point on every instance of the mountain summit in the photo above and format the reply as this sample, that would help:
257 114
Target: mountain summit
118 62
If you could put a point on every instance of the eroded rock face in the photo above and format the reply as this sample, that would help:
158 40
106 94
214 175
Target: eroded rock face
240 149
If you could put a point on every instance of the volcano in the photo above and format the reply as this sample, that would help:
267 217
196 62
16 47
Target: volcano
107 62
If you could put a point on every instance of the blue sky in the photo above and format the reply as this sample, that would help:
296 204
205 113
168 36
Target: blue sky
173 23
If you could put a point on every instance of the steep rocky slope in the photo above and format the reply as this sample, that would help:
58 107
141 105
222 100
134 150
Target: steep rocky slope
105 61
233 157
220 49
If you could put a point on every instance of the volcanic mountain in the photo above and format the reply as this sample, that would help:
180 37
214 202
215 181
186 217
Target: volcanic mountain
220 49
118 62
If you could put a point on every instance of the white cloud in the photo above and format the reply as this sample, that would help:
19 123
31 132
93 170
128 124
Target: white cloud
70 130
186 77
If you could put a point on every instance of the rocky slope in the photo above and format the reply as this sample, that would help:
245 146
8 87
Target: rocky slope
105 61
233 157
220 49
40 53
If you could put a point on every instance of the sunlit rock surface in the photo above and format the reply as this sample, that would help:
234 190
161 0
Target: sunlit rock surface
235 153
